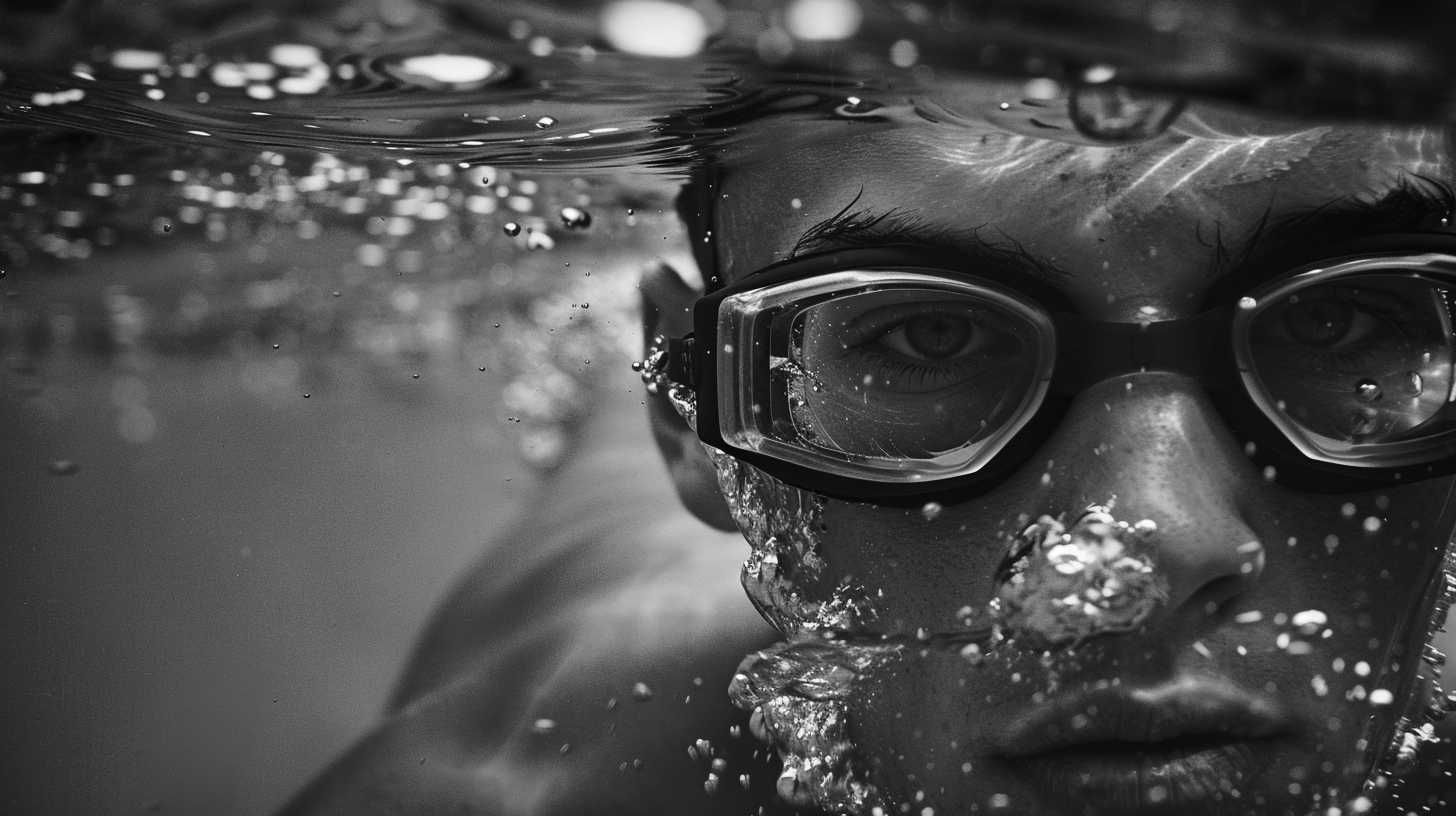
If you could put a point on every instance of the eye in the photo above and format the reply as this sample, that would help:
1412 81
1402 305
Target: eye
931 337
1328 321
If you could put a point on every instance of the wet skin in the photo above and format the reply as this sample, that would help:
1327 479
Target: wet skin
1132 232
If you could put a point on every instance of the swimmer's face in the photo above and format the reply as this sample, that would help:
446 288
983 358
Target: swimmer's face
1216 701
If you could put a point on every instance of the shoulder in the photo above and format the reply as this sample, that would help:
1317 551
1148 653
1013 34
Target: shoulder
576 662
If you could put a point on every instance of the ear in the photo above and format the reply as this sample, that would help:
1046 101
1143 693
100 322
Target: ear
667 301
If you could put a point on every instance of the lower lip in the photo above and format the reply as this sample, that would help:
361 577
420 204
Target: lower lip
1187 781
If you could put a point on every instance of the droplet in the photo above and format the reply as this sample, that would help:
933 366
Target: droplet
641 692
1367 390
543 726
575 218
1414 383
546 122
1112 113
64 467
1247 303
512 229
1360 421
447 72
1309 621
931 510
857 106
654 28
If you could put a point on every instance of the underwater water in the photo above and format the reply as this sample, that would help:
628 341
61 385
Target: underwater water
301 302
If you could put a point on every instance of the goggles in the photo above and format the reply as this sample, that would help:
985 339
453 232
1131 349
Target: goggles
889 375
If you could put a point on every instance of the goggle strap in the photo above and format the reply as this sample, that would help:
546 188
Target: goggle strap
681 368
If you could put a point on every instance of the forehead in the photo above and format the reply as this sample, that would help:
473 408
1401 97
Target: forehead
1129 222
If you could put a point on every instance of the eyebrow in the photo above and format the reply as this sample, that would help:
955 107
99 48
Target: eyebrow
1278 244
1275 245
854 226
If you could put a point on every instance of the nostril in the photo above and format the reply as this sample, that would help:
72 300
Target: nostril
1213 596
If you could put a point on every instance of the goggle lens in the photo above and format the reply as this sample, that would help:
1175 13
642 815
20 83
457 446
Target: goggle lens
911 373
907 377
1354 363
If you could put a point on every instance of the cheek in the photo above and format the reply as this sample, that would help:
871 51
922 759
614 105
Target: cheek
1366 558
917 568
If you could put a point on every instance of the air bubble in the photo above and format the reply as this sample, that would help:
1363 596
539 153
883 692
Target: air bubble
512 229
575 218
1368 390
857 106
546 122
1360 421
1110 113
447 72
1414 383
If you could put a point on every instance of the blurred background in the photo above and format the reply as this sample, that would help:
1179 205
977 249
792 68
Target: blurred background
247 448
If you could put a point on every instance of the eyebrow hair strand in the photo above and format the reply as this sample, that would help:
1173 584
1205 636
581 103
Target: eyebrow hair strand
847 221
863 227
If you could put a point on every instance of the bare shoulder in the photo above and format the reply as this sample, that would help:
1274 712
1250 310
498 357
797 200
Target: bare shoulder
575 664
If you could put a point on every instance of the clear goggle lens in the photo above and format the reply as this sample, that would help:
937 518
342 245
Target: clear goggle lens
889 375
1354 362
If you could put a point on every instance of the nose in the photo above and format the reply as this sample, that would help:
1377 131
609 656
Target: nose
1155 445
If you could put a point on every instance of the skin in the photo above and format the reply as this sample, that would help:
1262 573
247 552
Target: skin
1130 228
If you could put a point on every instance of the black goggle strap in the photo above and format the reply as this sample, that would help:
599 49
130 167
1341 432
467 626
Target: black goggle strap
678 361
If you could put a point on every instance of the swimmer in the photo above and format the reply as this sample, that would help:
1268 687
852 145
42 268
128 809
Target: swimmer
1075 480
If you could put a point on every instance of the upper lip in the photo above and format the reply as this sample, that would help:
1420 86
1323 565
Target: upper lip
1182 710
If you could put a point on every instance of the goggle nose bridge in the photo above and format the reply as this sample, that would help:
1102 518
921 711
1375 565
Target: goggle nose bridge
1089 351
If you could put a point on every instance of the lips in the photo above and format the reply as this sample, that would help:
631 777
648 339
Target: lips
1186 747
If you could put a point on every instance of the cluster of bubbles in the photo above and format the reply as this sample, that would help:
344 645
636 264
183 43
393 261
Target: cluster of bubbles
408 264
